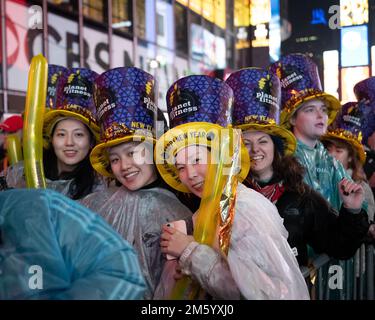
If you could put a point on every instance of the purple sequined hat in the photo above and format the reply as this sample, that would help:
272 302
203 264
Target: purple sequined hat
365 93
199 98
199 107
126 110
74 98
348 126
54 73
256 104
300 82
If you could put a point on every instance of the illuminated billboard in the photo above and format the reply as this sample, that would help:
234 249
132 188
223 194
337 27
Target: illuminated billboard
349 78
354 46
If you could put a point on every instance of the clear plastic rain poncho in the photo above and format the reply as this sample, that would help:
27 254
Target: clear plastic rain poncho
138 216
260 263
54 248
323 172
15 178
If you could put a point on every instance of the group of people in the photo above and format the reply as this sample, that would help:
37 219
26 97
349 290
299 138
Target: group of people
136 238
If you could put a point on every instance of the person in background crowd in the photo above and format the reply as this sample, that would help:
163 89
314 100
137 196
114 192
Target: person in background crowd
259 262
307 111
365 93
127 113
11 125
53 248
344 142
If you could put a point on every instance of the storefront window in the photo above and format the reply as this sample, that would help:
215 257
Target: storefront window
95 10
141 24
65 5
122 17
164 24
180 14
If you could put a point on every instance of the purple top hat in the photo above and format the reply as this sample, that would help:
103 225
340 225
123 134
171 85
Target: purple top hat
256 104
300 82
54 73
126 110
74 98
256 96
199 106
365 93
348 126
199 98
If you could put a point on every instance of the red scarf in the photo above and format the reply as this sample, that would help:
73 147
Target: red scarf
272 191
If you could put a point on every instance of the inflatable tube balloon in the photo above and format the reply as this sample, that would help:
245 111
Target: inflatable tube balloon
207 222
33 122
13 147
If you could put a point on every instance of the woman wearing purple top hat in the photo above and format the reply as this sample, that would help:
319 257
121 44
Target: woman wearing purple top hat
365 93
70 132
277 174
343 141
126 111
259 263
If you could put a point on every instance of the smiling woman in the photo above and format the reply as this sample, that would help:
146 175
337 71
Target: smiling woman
141 204
70 132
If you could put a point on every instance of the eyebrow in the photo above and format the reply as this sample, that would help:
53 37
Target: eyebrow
122 149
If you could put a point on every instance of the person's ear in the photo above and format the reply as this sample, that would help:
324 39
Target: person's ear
292 121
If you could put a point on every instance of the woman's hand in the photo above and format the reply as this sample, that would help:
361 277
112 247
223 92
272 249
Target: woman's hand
174 242
351 193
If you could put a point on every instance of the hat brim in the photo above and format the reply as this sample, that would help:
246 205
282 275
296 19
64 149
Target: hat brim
334 106
175 139
356 144
99 157
53 116
287 137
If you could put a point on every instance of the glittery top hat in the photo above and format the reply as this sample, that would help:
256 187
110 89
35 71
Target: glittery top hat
74 99
300 83
365 93
256 104
126 111
348 126
198 108
54 73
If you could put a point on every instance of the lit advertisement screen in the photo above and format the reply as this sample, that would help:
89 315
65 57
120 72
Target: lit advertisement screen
354 46
349 78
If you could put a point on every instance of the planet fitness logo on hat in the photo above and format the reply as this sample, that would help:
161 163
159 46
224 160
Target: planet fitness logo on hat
183 104
78 86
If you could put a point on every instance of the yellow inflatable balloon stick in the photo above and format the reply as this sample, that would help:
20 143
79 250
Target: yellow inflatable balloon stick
33 122
13 147
221 172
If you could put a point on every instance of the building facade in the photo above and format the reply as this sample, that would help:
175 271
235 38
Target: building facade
168 39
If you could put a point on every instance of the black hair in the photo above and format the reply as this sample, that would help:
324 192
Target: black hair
83 175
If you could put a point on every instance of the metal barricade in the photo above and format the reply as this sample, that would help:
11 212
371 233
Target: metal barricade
352 279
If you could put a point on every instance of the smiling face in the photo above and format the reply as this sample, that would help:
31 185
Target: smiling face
261 150
71 141
310 121
192 165
132 164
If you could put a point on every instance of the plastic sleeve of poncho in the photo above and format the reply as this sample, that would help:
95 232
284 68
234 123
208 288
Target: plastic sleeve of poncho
138 216
80 256
15 178
323 172
369 197
260 260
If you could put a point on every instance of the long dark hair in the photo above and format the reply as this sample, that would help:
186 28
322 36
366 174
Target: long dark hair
286 169
289 170
83 175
